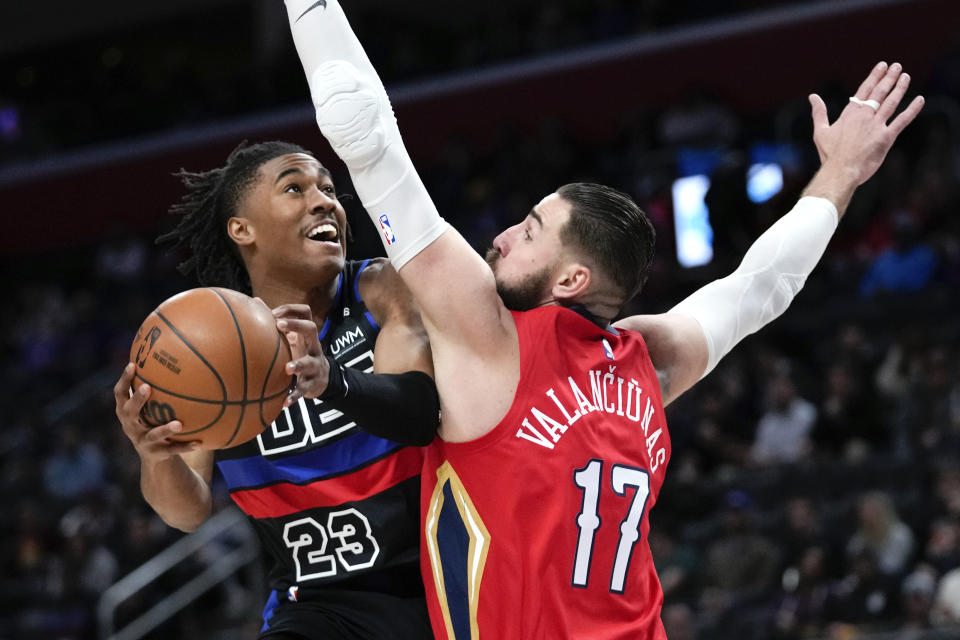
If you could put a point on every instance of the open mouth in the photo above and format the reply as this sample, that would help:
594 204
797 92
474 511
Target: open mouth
324 232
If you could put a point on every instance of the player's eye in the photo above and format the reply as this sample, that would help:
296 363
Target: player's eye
526 234
292 188
329 190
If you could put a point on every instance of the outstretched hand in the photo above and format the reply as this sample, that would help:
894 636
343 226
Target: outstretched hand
856 144
308 363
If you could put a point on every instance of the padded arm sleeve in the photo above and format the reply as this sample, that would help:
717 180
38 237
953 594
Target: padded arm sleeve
772 272
403 407
355 115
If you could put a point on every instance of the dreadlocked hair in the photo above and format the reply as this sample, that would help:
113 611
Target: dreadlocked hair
212 198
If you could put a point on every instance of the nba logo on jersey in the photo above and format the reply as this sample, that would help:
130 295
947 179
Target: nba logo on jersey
387 230
607 351
292 593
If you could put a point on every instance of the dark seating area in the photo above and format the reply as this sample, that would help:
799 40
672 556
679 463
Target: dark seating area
814 489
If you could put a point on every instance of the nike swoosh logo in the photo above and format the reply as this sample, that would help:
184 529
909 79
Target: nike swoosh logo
318 3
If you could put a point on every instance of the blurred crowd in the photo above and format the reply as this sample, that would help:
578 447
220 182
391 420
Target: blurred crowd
814 490
155 76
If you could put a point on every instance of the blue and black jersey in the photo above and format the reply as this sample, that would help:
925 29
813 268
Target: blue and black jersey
336 509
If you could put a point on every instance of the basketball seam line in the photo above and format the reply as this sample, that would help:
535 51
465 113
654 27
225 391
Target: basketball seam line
243 359
223 387
223 403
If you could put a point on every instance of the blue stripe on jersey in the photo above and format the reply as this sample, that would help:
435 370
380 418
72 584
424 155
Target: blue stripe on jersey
269 610
333 459
373 323
453 541
336 302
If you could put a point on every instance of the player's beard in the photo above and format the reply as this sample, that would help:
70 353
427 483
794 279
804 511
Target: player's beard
525 295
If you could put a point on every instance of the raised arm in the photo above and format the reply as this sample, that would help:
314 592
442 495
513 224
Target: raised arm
687 342
472 335
452 284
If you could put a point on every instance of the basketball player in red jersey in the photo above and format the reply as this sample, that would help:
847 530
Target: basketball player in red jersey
553 445
335 507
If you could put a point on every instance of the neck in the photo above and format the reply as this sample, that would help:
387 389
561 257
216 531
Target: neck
600 309
320 299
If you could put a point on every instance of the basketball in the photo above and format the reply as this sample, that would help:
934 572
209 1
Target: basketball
214 360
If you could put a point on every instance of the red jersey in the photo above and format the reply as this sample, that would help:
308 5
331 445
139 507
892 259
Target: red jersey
538 529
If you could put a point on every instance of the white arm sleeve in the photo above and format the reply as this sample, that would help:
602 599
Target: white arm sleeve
772 272
354 114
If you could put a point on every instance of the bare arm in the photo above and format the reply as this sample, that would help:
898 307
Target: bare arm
452 284
174 476
402 343
398 401
686 343
471 333
677 349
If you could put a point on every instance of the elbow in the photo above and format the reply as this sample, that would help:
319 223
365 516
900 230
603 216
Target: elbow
186 524
770 294
186 520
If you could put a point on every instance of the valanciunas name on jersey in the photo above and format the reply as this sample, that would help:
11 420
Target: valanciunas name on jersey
610 394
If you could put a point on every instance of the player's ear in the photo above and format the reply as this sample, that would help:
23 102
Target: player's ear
572 281
241 231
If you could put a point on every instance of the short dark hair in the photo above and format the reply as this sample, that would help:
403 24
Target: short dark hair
212 198
609 228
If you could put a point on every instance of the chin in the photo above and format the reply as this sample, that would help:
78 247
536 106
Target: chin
327 265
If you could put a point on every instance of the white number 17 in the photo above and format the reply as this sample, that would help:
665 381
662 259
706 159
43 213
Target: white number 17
588 520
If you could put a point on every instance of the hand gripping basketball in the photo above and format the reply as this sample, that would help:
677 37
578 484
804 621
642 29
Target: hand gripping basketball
151 443
308 363
214 362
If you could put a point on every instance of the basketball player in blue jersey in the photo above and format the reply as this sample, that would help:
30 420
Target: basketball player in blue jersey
335 506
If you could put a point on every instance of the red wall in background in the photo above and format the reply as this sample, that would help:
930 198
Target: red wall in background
750 71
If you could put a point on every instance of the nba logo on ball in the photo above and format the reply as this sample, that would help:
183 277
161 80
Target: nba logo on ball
387 230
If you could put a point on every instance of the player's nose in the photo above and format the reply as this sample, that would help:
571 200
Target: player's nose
500 244
320 201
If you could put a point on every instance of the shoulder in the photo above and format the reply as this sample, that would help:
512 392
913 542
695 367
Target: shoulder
383 290
677 346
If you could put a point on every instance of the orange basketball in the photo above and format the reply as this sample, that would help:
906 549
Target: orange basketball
214 360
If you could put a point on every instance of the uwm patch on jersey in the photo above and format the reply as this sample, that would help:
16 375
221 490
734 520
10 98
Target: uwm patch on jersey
331 503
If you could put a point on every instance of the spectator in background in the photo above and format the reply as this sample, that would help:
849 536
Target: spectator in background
948 488
741 562
865 596
798 610
680 622
783 433
881 533
916 595
848 423
677 565
943 545
898 373
946 604
928 412
88 568
74 468
804 529
719 438
907 265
